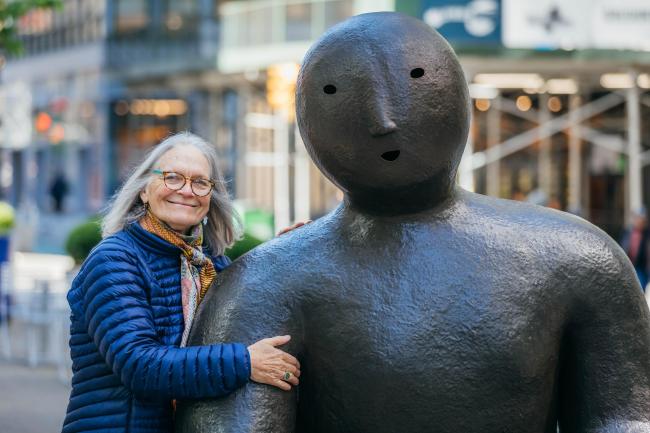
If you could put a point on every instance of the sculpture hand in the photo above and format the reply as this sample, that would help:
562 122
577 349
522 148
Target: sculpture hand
269 365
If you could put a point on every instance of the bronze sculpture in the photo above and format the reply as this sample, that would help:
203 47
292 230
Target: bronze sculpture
418 306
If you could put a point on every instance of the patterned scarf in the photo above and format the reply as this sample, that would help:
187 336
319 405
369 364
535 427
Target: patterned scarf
197 270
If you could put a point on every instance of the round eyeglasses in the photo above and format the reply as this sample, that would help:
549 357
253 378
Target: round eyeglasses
176 181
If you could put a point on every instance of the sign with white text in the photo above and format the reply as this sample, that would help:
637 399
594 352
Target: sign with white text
546 24
577 24
621 24
465 22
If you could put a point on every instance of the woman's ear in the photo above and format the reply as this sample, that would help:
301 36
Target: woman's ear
144 196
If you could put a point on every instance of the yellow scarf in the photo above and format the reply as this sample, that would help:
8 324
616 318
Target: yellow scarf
192 252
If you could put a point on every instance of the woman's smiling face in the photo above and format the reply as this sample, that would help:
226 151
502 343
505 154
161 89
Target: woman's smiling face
180 209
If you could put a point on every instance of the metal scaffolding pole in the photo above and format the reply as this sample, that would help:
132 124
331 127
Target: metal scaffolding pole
240 145
559 123
575 158
302 184
281 182
465 172
544 163
493 180
635 192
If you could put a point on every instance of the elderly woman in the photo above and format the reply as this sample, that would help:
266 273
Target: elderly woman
135 296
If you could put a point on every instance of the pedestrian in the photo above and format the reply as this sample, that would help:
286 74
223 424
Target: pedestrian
58 191
133 301
636 243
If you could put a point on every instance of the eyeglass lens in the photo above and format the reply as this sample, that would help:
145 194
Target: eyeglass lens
175 181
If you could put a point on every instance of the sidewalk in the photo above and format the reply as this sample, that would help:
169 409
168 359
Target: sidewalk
32 400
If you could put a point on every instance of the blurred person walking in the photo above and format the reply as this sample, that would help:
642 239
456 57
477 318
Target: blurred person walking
58 190
134 299
636 243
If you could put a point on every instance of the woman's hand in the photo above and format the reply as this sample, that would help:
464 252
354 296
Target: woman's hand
273 366
293 227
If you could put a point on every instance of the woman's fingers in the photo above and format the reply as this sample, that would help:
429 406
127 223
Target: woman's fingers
281 384
277 379
293 379
272 366
289 359
291 369
288 376
288 229
293 227
277 341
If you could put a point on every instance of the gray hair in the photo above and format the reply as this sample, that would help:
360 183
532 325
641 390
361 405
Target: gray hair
223 224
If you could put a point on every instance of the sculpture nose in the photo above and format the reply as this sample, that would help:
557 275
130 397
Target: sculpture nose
379 115
382 127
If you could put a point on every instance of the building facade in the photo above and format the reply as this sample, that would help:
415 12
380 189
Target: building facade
52 108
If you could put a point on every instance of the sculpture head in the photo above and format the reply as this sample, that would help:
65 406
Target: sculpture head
383 109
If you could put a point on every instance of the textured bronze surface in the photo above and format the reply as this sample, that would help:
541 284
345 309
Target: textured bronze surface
417 306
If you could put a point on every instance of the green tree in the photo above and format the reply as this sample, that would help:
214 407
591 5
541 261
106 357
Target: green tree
10 13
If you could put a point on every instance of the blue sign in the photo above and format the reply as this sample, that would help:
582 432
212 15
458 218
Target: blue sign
465 22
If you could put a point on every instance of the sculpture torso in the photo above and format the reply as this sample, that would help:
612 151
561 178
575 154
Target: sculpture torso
398 343
399 328
411 332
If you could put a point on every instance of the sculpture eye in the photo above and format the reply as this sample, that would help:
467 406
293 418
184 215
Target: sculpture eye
417 72
329 89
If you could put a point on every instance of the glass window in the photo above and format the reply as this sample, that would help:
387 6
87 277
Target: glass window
131 16
299 22
260 28
183 7
181 14
133 134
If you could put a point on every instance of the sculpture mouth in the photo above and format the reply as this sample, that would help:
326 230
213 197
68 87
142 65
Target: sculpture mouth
391 155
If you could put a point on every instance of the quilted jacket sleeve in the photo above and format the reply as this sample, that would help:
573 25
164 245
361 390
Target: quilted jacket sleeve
120 322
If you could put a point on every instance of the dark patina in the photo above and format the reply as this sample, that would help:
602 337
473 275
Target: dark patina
417 306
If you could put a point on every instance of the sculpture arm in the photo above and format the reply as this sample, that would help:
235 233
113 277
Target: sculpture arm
605 372
248 306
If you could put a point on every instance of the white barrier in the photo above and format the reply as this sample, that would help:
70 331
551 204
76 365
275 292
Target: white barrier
38 331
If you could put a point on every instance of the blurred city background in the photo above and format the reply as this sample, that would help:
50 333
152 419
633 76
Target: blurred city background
561 118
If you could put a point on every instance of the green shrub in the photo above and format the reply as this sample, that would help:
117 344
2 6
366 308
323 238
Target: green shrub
7 218
82 239
242 246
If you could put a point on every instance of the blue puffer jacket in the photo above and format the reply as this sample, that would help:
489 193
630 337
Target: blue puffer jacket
127 323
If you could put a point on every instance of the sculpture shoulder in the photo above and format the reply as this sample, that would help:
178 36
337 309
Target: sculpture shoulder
588 261
549 231
295 246
283 264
